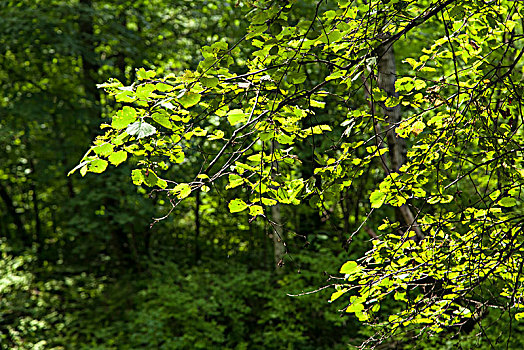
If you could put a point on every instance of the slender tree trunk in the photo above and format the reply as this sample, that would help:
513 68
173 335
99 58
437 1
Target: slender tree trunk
345 205
36 210
17 220
386 82
90 63
121 57
279 248
133 247
278 238
396 145
198 253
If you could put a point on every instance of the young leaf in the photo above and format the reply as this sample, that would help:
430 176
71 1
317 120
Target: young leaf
83 170
337 294
377 199
255 210
142 74
189 99
137 175
97 166
141 129
118 157
237 205
217 135
507 202
236 116
349 267
209 82
162 119
104 149
182 190
355 307
418 127
124 117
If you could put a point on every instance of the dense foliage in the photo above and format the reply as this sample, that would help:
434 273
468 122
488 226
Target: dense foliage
269 143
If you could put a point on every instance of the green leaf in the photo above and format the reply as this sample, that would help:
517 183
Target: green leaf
137 175
182 190
118 140
392 101
209 82
355 307
494 195
414 63
217 135
349 267
144 91
319 129
177 157
198 131
419 84
118 157
428 69
162 119
297 77
236 116
235 181
125 96
377 199
83 170
124 117
337 294
255 210
336 75
519 316
285 139
189 99
150 178
418 127
400 296
141 129
510 25
332 37
317 104
268 201
507 202
161 183
104 149
164 87
142 74
97 166
405 84
237 205
167 105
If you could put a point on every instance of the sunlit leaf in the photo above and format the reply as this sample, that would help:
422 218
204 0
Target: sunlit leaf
140 129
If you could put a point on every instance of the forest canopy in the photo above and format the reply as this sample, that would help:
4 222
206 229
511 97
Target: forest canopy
391 129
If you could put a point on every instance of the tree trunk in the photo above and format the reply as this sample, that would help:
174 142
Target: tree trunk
198 252
278 239
90 63
279 248
386 82
17 220
397 145
36 210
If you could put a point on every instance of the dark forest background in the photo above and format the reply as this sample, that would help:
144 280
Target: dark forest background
81 265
